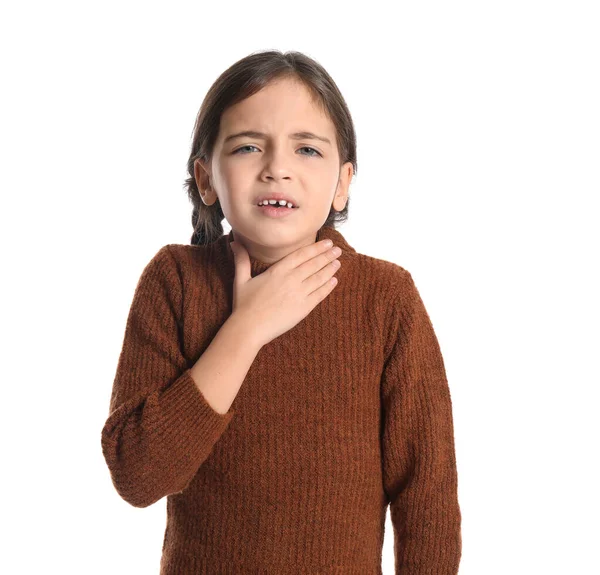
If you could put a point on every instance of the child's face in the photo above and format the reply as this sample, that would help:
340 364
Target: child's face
246 167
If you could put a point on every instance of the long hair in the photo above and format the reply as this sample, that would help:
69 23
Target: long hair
240 81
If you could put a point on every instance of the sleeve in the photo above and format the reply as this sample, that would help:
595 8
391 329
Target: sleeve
160 428
418 455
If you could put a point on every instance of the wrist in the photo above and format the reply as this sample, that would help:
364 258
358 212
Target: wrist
244 329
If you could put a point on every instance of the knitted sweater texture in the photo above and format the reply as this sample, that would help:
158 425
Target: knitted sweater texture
346 413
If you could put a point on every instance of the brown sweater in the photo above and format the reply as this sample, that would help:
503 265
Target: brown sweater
345 413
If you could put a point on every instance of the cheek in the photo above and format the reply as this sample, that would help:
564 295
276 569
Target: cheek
238 174
324 180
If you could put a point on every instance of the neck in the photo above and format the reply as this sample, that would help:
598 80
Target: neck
258 266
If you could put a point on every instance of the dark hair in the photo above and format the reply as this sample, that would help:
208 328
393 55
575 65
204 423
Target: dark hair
240 81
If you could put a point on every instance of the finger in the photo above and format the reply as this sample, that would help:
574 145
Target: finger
318 263
322 292
322 276
301 255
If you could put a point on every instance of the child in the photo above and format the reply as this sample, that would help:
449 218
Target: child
280 412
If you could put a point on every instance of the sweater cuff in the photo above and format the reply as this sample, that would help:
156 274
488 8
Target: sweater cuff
194 420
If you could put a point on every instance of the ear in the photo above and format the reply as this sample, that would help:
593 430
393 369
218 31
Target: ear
341 192
202 177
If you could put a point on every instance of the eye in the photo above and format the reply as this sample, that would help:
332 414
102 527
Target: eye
309 148
303 148
243 147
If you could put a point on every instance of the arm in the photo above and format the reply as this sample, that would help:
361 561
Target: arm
418 457
161 427
222 368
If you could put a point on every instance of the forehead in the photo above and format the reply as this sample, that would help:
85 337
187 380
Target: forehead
282 105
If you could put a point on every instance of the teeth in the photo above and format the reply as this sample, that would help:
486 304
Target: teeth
280 202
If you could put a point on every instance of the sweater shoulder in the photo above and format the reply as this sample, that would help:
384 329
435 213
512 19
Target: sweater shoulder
389 276
388 289
185 255
195 264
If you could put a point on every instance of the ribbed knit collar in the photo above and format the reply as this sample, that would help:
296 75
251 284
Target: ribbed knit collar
225 253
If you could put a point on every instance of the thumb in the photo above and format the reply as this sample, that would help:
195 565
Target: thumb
242 262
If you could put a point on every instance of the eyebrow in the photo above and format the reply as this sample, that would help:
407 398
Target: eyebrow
263 136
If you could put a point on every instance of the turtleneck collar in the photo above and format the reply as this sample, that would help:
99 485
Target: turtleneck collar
225 253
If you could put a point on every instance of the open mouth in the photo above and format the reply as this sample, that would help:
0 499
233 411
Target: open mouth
278 205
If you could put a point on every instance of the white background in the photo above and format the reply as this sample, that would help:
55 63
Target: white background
478 131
